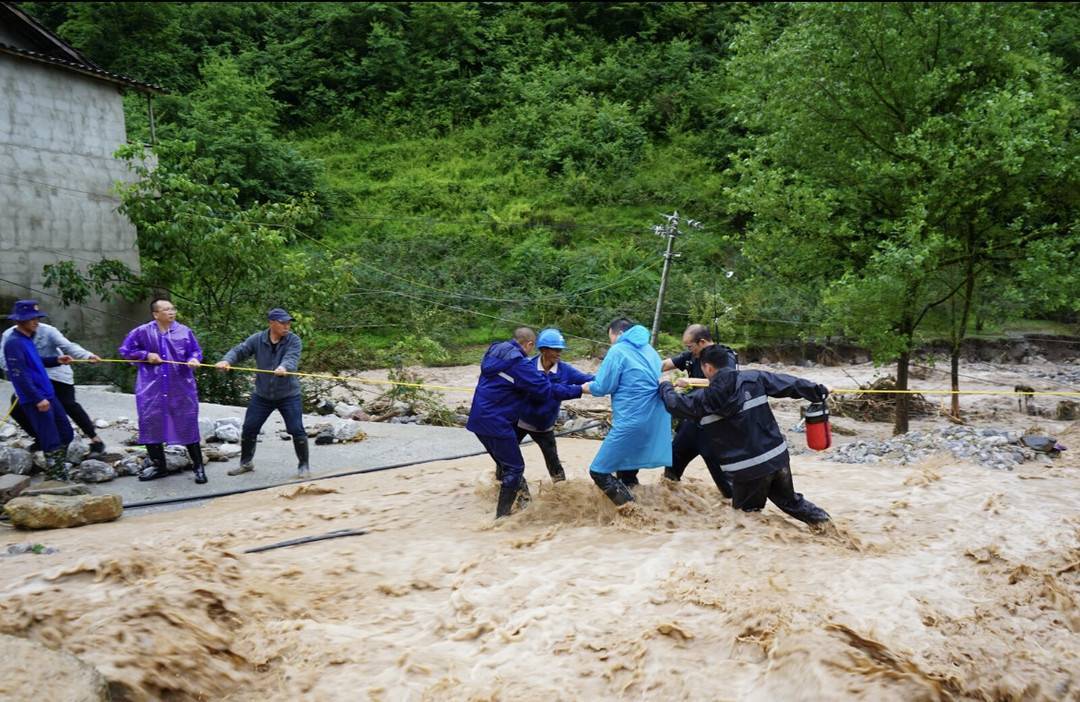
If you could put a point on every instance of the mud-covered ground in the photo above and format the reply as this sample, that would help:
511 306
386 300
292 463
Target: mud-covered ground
942 580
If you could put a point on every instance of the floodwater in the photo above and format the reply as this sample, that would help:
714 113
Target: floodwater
940 581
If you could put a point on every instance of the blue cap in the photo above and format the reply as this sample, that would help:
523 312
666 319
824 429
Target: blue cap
25 310
278 315
550 339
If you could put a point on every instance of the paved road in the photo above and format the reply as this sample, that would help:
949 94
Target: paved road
275 462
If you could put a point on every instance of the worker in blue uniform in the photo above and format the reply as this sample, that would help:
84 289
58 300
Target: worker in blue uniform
34 389
735 418
538 417
509 380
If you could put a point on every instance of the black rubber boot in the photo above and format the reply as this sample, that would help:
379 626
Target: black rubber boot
524 497
612 487
672 475
154 466
628 478
558 475
498 472
247 456
195 451
507 497
300 445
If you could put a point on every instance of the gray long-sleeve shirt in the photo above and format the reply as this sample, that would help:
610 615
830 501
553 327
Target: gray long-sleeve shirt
51 342
269 356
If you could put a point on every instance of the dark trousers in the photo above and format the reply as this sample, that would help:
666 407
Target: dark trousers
508 460
546 441
750 496
52 429
688 444
260 409
65 394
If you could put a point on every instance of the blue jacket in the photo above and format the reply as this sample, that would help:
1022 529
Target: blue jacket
508 380
640 435
541 415
736 420
26 369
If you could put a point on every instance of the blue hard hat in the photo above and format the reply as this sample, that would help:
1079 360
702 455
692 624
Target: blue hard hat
550 339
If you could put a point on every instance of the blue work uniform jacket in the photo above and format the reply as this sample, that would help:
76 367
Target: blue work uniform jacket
541 415
508 380
26 369
640 435
736 419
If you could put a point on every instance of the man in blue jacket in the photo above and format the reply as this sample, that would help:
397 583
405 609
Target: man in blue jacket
26 369
735 418
508 380
538 417
640 435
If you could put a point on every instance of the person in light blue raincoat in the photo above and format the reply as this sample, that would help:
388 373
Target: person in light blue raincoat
640 435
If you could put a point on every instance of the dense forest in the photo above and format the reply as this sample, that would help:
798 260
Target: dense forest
409 178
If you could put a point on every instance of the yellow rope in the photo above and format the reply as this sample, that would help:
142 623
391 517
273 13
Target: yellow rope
321 376
10 410
376 381
847 391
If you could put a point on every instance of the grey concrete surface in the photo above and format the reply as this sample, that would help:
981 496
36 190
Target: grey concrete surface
275 462
58 133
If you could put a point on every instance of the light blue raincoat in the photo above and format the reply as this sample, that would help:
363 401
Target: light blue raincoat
640 435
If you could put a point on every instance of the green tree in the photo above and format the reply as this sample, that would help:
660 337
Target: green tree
888 142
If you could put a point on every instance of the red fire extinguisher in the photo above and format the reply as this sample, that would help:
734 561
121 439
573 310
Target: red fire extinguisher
818 432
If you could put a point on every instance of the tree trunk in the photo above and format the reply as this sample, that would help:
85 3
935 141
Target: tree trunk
960 330
900 425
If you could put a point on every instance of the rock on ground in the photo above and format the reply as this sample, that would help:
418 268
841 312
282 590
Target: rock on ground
92 471
16 460
31 671
12 485
56 487
59 512
78 450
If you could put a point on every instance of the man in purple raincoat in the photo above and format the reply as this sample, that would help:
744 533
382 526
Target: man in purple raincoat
165 393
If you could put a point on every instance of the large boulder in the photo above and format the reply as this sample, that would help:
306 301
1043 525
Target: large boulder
32 671
16 460
7 431
92 471
59 512
11 485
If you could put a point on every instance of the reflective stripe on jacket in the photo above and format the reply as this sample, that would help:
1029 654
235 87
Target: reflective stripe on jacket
736 419
508 380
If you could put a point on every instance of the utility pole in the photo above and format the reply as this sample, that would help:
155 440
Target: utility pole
669 229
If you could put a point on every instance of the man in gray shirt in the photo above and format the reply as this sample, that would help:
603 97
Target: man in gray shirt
277 349
49 341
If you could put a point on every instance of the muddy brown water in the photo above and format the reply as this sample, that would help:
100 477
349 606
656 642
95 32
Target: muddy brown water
940 581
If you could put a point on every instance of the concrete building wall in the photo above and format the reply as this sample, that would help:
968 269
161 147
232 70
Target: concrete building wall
58 133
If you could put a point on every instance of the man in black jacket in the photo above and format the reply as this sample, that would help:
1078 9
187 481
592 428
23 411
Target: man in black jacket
735 418
688 443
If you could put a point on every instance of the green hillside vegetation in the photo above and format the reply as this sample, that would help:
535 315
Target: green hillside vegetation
416 178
